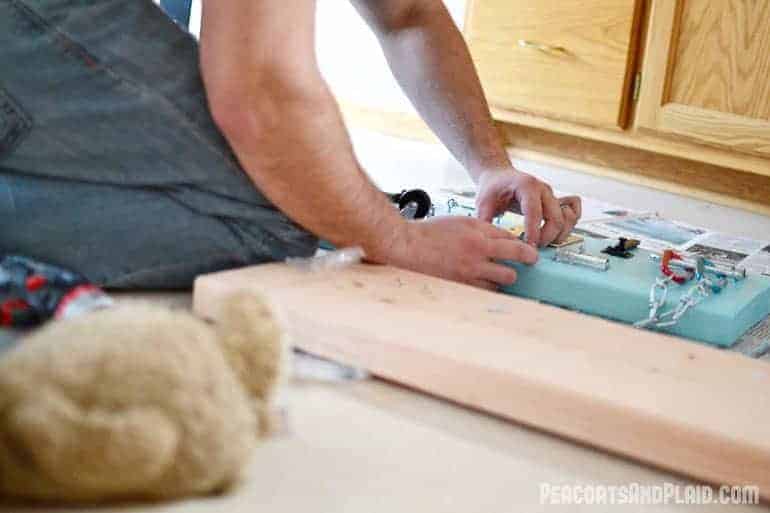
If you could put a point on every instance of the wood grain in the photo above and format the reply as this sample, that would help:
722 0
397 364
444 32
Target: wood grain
683 176
718 128
674 404
648 139
656 61
650 180
587 82
723 57
707 73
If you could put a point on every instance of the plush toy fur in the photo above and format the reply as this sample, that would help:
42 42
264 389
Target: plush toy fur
136 402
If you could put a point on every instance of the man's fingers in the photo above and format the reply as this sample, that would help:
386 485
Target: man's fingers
486 209
575 203
570 218
483 284
570 209
532 209
498 273
507 249
554 220
495 232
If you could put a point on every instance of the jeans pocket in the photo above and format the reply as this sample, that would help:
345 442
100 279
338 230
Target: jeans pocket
15 123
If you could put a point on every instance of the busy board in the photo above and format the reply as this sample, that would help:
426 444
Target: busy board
622 293
687 295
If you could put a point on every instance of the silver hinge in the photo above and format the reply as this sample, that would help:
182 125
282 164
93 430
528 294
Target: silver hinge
637 85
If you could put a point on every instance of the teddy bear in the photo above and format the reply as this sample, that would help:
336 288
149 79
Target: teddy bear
137 402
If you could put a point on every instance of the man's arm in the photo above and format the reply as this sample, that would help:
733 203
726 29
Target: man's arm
432 64
269 100
268 97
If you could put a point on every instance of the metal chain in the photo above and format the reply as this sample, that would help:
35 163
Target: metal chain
658 296
700 291
689 300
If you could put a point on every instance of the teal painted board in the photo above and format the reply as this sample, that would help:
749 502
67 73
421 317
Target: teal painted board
622 294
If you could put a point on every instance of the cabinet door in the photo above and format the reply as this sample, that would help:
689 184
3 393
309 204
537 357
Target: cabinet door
564 59
706 75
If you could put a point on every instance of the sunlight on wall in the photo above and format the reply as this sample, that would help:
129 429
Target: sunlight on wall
195 18
349 56
351 60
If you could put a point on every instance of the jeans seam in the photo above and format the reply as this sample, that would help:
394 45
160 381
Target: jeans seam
7 188
126 276
93 60
22 121
226 221
73 47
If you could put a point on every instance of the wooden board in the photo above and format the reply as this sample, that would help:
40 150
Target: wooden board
674 404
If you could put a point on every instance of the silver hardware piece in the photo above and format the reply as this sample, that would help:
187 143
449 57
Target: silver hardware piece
637 86
410 210
328 261
704 288
700 267
658 296
541 47
708 266
453 204
576 256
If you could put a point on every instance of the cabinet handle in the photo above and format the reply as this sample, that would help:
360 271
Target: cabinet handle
549 49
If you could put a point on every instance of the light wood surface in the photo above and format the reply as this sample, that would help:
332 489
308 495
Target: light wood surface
374 447
722 57
642 138
706 73
704 181
668 183
718 128
678 405
656 61
570 59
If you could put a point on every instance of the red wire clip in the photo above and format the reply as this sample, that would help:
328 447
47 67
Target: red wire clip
8 308
668 256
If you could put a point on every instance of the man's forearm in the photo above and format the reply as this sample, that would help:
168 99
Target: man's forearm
267 96
432 64
306 166
283 123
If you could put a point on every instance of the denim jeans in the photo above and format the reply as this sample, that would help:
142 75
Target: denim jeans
110 163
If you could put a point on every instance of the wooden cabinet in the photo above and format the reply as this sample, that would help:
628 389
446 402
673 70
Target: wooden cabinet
673 94
706 73
565 59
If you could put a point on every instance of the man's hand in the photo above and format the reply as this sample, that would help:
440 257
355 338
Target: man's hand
460 249
424 47
510 189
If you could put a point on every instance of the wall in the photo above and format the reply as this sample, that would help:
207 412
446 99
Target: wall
351 60
350 57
